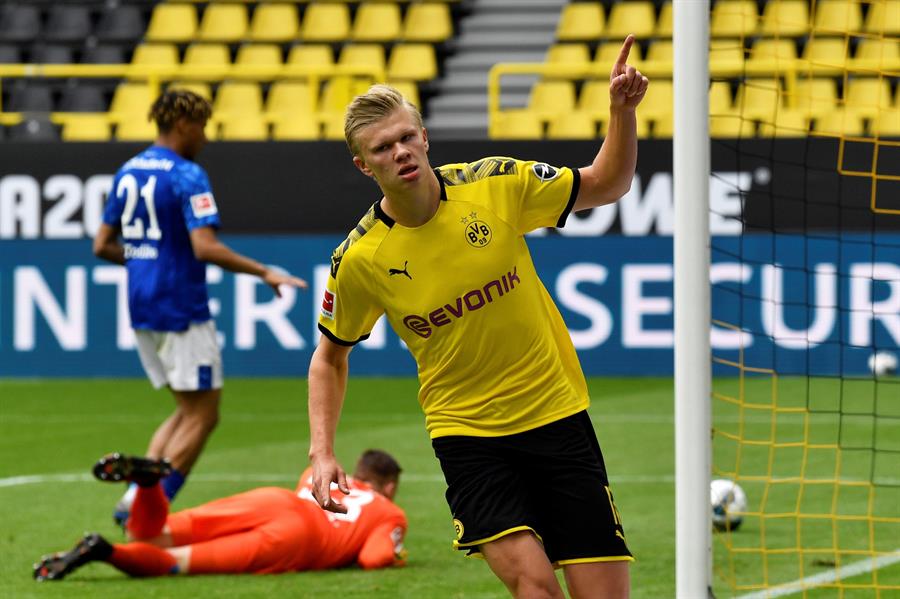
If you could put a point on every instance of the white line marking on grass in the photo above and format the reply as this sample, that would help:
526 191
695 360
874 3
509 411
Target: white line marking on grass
853 569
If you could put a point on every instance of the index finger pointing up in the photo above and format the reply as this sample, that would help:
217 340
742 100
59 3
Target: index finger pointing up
626 48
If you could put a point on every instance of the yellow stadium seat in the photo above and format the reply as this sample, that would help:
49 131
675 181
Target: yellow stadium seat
370 55
663 127
276 22
376 22
759 99
884 18
338 92
206 62
789 123
815 97
333 126
131 101
733 18
137 128
839 123
731 126
201 89
581 21
237 98
576 55
299 127
412 61
776 54
637 17
172 23
886 124
664 22
878 55
719 97
785 18
726 53
572 125
658 100
608 52
643 126
837 16
826 55
868 96
311 55
594 99
223 23
516 124
660 51
88 127
409 90
245 128
428 22
548 99
257 62
152 55
290 98
325 23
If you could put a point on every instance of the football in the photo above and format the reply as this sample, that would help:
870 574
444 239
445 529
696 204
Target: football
883 363
728 503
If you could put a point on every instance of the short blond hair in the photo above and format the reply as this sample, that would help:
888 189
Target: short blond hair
376 104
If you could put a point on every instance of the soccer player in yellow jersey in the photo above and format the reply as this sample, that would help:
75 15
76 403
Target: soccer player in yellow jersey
443 256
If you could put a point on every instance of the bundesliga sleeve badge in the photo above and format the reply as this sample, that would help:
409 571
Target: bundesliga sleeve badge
203 204
328 305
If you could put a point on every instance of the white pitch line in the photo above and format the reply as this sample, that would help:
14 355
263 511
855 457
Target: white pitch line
810 582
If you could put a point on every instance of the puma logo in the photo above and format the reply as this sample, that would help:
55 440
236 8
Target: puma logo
397 271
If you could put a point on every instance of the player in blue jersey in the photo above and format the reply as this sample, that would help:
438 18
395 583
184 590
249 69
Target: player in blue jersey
160 221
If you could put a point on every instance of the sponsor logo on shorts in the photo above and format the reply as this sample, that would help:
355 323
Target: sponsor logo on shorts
328 305
544 171
203 204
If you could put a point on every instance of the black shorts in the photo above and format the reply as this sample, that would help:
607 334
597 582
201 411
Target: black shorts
550 480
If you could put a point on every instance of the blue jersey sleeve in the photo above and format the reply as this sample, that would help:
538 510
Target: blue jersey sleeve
112 211
197 201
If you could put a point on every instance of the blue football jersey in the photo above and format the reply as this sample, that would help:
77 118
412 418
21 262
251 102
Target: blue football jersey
157 198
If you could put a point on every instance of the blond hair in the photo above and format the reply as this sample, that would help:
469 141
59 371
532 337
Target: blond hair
376 104
175 104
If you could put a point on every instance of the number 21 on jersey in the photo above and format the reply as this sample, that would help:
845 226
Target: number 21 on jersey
133 226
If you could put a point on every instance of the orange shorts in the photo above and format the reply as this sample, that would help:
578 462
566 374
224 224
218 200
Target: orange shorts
265 530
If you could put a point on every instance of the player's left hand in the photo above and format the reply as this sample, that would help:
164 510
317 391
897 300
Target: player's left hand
275 280
626 84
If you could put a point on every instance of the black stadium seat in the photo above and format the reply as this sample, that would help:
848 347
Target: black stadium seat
34 129
19 23
121 24
67 24
83 97
51 54
103 54
10 54
30 97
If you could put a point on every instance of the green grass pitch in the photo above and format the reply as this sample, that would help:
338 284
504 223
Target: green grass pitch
52 431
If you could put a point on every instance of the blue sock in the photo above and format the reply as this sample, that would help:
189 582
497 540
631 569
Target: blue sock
172 484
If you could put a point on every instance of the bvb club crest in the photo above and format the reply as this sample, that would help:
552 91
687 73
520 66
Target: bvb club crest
478 233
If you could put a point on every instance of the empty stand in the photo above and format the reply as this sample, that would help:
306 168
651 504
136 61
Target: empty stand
67 23
581 21
289 98
172 22
204 90
371 55
19 22
790 123
206 62
295 127
122 23
325 23
259 62
572 125
376 22
51 54
758 99
10 54
311 55
839 123
517 124
103 54
34 129
245 128
274 22
837 17
428 22
883 18
131 101
664 21
637 17
237 98
84 97
867 96
28 96
733 18
785 18
549 99
826 55
136 129
223 23
412 61
86 128
577 55
815 97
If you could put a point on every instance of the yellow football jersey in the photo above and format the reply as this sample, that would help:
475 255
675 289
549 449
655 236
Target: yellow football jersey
493 353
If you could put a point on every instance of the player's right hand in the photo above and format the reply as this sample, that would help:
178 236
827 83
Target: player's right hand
327 470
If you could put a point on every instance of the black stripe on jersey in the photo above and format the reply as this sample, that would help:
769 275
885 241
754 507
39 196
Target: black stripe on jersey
340 341
443 188
368 221
576 182
381 214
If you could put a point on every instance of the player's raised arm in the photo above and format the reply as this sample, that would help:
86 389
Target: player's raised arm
327 385
609 177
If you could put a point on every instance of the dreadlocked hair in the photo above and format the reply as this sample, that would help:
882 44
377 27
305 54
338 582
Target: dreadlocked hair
175 104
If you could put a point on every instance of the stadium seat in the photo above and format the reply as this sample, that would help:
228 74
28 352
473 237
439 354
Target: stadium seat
28 96
516 124
337 93
637 17
594 99
201 89
884 18
789 123
659 102
333 127
719 97
206 62
297 127
172 23
51 54
608 52
19 23
161 55
726 53
837 17
376 22
781 51
10 54
416 62
257 62
237 99
868 96
371 55
549 99
131 101
325 23
731 126
664 21
826 55
103 54
758 99
67 24
136 129
886 124
223 23
581 21
660 51
576 55
733 18
277 22
86 128
572 125
839 123
428 22
33 129
289 98
409 90
311 54
120 23
815 97
82 96
878 55
785 18
245 128
663 127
